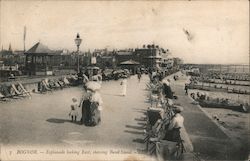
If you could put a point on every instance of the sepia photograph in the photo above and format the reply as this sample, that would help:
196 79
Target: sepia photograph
106 80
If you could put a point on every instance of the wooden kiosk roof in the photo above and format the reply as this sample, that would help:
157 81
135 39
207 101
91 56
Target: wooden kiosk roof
40 50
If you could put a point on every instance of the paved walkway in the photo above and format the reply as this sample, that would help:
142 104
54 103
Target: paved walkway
44 118
209 141
44 121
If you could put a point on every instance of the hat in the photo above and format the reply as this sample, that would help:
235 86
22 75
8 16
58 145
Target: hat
74 99
166 82
178 108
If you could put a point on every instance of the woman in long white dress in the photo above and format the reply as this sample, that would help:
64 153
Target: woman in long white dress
124 87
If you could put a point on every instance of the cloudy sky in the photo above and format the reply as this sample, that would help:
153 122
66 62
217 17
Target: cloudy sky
218 31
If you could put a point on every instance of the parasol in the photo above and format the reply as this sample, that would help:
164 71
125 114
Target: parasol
94 86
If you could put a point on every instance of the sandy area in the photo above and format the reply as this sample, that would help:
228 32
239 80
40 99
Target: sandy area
234 123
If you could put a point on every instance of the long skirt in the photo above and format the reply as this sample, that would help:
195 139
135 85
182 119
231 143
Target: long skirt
86 112
124 89
95 115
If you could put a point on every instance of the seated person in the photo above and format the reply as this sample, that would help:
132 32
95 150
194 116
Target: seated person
173 131
170 130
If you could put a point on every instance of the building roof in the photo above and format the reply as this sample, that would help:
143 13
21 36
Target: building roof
39 48
129 62
124 53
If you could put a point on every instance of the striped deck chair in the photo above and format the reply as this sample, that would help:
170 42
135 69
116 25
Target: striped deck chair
23 90
61 83
157 121
53 84
153 115
45 86
57 84
17 92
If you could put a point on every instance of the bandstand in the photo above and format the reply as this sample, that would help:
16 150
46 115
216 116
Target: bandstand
39 60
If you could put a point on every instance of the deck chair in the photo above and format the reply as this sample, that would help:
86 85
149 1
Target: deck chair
153 115
153 98
66 81
156 122
168 150
44 86
73 80
47 84
57 84
23 90
61 83
2 97
6 92
54 83
17 92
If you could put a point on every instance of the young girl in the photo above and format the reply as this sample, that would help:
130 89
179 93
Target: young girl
73 113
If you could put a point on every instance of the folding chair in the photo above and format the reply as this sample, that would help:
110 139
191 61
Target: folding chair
2 97
168 150
6 92
43 86
17 92
66 81
23 90
153 115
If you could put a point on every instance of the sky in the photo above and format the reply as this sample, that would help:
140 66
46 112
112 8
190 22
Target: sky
218 31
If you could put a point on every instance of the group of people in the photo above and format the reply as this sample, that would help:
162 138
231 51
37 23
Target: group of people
167 127
90 105
91 102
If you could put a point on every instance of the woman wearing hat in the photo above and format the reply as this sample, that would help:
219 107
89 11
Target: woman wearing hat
124 87
173 131
167 91
92 104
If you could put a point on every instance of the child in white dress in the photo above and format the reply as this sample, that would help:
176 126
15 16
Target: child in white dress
73 112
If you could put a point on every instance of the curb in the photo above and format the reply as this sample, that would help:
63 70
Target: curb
187 142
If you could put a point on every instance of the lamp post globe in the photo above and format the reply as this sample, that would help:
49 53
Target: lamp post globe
78 42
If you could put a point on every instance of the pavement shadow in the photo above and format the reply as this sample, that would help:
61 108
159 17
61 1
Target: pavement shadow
139 140
142 124
135 127
139 110
143 112
140 119
60 121
134 132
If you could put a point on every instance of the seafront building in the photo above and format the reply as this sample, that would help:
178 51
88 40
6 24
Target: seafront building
41 60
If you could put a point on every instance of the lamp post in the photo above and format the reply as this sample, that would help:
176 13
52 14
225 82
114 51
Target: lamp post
78 41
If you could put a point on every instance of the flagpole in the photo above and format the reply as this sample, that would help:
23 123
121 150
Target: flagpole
24 38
